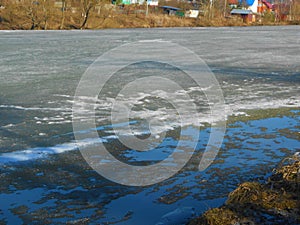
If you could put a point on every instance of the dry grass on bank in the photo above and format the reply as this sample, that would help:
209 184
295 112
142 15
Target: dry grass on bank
39 17
276 202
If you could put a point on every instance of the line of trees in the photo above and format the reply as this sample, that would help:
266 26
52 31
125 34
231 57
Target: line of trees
81 14
40 14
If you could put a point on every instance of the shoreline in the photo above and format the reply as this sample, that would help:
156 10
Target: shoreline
127 21
166 27
160 27
11 28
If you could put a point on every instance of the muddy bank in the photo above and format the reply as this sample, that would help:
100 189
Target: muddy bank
274 202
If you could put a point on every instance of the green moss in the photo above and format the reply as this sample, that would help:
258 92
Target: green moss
263 129
265 136
258 114
290 133
20 210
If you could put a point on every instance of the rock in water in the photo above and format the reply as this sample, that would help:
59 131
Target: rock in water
179 216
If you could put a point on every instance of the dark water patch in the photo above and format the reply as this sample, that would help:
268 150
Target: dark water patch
61 188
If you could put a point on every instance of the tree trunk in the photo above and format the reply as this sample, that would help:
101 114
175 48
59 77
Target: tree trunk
86 16
31 14
85 20
62 22
45 10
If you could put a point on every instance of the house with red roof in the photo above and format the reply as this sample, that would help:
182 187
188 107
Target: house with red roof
266 7
248 9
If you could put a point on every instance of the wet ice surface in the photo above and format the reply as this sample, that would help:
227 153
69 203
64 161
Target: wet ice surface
66 189
257 68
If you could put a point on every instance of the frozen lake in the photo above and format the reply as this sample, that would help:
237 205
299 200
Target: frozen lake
44 177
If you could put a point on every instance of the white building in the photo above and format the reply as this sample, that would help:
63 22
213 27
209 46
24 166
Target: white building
141 2
254 6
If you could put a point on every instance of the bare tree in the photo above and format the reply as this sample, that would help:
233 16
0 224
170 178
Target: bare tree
46 8
31 8
63 15
225 8
87 6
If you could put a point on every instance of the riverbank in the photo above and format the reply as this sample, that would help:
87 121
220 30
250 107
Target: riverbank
273 202
140 21
18 19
